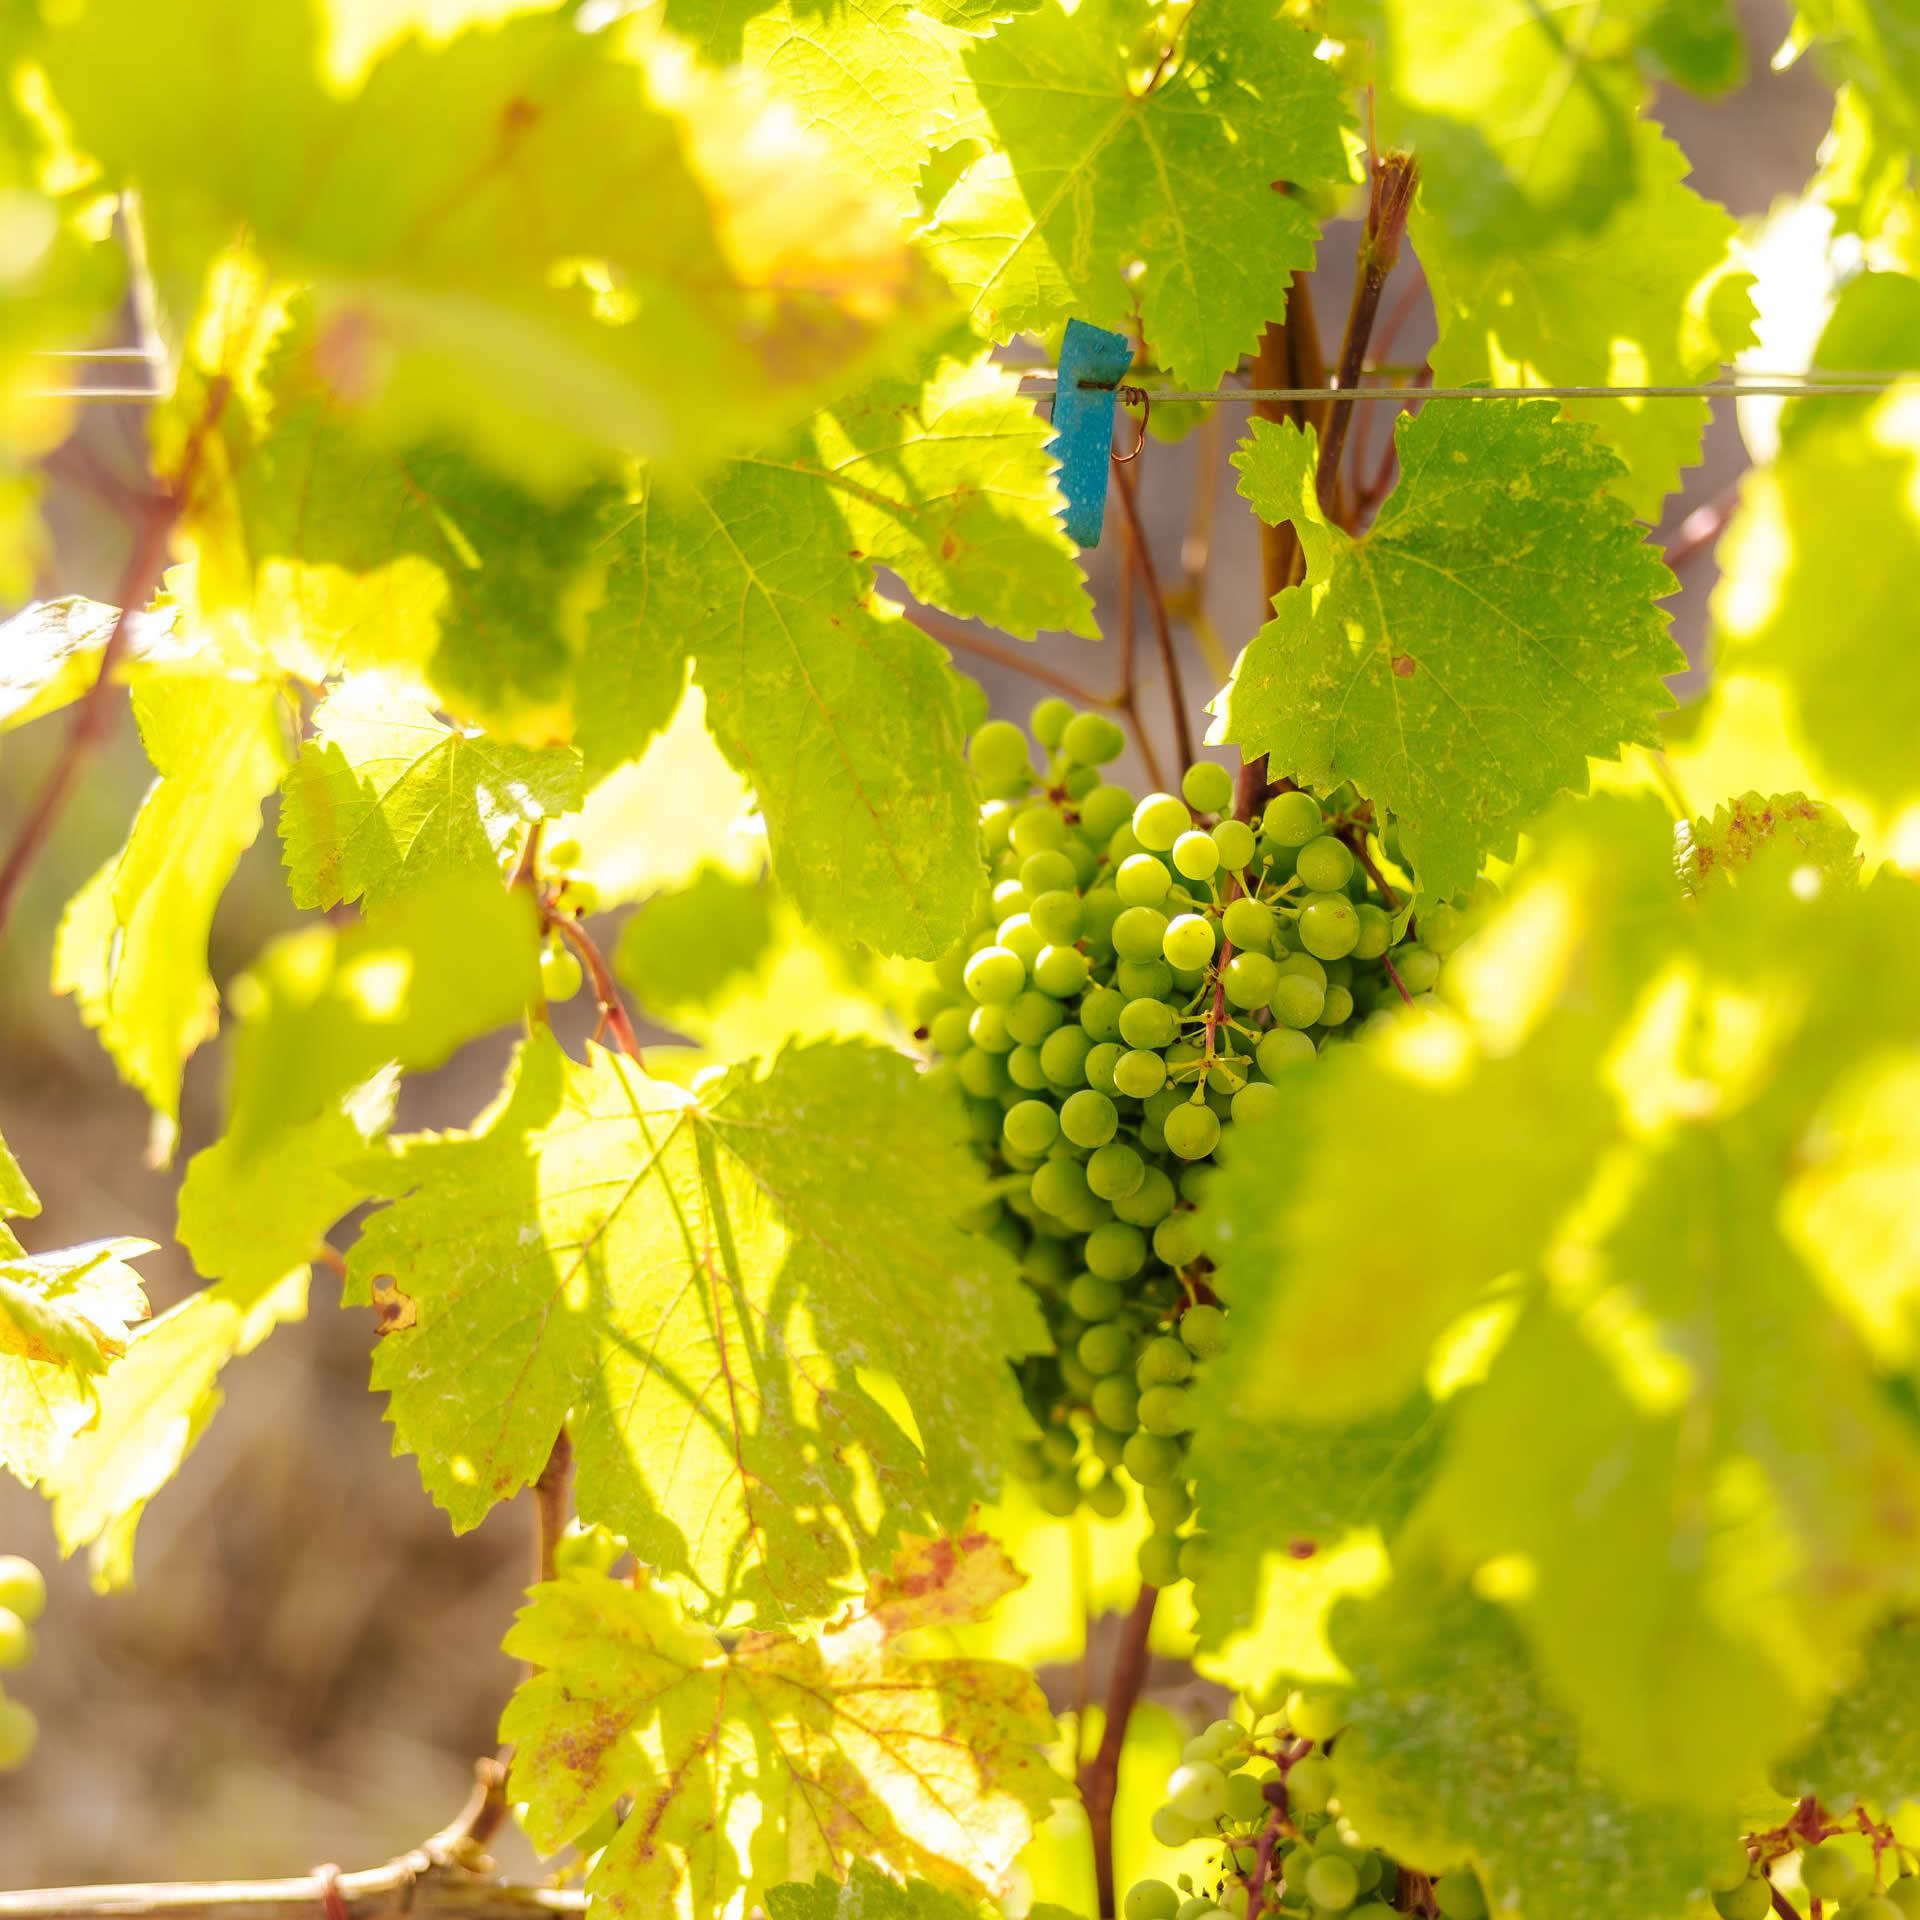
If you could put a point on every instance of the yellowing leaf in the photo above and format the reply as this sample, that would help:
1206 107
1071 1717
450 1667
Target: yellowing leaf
848 1745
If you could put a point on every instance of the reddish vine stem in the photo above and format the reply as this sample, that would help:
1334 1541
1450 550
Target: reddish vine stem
1157 606
1100 1777
1389 332
552 1505
950 633
1702 527
1394 178
139 582
1262 1864
606 993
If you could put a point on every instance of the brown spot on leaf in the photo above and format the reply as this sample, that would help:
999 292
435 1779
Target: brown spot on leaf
1301 1549
518 115
949 545
1403 666
397 1311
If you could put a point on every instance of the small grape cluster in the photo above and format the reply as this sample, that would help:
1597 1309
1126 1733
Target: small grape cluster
1268 1794
1848 1865
1142 976
23 1595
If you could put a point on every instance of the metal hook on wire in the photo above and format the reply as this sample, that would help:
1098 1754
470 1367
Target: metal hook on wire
1134 397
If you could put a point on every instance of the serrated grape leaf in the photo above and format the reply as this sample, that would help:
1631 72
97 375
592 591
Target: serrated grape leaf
1869 1742
842 718
1874 47
1700 44
1713 853
17 1197
50 652
850 1745
154 1406
1111 185
1646 298
385 794
322 1011
1462 659
64 1317
132 945
696 1285
865 1894
445 204
1455 1752
1817 571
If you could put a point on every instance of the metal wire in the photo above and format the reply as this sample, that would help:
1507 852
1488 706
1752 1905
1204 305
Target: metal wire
1796 387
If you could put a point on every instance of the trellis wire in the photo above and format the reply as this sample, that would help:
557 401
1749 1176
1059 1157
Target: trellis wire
1778 386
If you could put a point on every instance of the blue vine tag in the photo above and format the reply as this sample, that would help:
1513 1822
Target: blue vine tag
1083 422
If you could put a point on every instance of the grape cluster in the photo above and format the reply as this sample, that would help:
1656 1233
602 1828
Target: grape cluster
23 1593
1143 976
1268 1796
1847 1865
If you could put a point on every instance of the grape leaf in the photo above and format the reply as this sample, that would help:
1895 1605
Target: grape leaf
1869 1742
1112 187
1646 298
132 945
384 794
697 1283
322 1011
1874 47
445 203
50 652
1713 853
683 949
1454 1752
17 1198
1462 659
848 1742
865 1894
64 1318
1821 560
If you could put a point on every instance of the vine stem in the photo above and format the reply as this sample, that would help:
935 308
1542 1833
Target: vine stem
606 993
950 633
1100 1777
139 582
552 1505
1157 606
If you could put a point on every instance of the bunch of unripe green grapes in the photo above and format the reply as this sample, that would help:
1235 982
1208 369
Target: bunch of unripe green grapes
1832 1853
23 1593
1268 1796
1143 975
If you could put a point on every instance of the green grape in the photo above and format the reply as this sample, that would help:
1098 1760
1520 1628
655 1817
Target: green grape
559 974
1152 1458
1150 1202
994 975
1158 1557
1138 932
1164 1362
1234 843
1100 1013
1333 1884
1376 931
1047 1262
1143 979
1291 819
16 1641
1031 1016
1048 720
1063 1054
1123 843
1174 1830
1904 1894
1203 1331
1246 1804
1031 1127
1168 1504
1018 934
998 755
1442 928
1196 855
1732 1867
1151 1900
1115 1171
1148 1024
1196 1789
1058 1447
1166 1410
1107 1498
1035 828
1087 1118
1116 1403
1159 820
1825 1871
1336 1009
1249 978
1192 1132
1328 926
1324 864
1419 969
1060 1187
1058 1495
948 1031
1257 1100
1099 909
1876 1906
1093 1299
1176 1240
1104 810
19 1730
1025 1071
1748 1901
1105 1348
1140 1072
1116 1251
996 820
1207 787
1091 740
1315 1713
1248 923
984 1075
987 1029
1047 871
1059 916
1196 1549
1296 1000
1309 1784
1060 971
1460 1896
1281 1048
1142 880
1107 1446
1188 942
1101 1061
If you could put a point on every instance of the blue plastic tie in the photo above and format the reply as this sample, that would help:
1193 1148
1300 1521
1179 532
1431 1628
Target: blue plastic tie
1092 364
